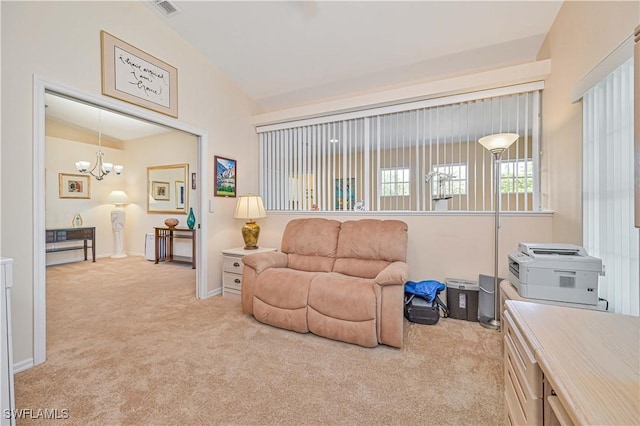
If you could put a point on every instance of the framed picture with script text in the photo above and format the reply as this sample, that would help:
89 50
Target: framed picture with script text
134 76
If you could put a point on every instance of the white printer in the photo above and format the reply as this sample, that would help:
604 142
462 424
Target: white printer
551 271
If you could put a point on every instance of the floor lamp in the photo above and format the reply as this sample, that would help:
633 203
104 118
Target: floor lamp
118 217
496 144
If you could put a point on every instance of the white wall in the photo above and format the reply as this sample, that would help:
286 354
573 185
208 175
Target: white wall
61 155
60 42
160 150
440 245
582 35
169 148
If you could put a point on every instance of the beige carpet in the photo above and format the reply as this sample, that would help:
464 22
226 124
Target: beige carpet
128 343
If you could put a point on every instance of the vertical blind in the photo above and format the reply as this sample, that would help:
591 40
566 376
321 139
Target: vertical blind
405 160
608 228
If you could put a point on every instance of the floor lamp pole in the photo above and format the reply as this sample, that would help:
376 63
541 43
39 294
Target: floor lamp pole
496 144
495 321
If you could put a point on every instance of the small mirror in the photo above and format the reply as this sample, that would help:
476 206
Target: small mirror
166 189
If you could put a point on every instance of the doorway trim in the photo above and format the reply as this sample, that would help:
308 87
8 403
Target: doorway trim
40 86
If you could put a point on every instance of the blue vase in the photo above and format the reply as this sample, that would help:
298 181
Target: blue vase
191 219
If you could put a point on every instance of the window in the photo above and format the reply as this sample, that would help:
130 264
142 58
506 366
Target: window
607 185
394 182
456 174
380 159
516 176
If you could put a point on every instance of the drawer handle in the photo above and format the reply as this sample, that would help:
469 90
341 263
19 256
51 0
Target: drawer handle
236 264
237 281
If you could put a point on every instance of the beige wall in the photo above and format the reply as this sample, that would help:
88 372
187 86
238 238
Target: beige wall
136 155
582 35
60 42
440 245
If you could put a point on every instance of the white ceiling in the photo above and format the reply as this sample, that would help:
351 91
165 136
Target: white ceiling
288 53
89 117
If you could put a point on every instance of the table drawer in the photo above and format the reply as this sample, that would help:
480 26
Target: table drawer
521 356
525 406
233 281
232 264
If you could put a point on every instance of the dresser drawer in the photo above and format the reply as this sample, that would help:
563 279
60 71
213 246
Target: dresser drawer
525 407
232 264
233 281
521 356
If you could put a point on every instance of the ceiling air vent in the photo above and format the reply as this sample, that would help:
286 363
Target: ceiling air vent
166 7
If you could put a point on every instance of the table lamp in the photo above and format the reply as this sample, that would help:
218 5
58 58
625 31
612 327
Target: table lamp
250 207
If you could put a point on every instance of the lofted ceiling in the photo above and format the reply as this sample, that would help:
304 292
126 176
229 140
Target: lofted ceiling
289 53
284 54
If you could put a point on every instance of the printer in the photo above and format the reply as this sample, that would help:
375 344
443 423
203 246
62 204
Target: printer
559 272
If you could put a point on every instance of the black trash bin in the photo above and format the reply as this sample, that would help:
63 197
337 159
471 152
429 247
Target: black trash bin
462 299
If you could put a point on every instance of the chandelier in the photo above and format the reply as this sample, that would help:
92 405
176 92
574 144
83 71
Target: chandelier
100 169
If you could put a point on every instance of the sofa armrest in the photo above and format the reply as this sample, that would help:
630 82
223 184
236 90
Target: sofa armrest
265 260
396 273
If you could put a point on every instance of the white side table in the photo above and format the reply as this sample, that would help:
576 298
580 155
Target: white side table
232 267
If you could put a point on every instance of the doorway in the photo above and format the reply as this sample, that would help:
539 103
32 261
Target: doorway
41 89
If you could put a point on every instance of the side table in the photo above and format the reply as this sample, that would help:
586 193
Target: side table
232 267
164 238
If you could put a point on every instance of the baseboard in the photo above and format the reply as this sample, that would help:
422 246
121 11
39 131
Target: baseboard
22 365
81 259
216 292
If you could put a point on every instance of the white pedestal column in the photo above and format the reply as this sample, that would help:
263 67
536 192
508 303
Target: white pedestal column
118 218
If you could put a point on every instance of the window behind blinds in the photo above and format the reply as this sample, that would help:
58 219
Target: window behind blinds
608 226
382 161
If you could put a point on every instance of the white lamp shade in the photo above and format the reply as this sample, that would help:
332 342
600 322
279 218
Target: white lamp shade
249 207
118 198
498 142
82 166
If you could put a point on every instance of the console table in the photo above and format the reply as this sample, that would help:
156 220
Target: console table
63 235
164 239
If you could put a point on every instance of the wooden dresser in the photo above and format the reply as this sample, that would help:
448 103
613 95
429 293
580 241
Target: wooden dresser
570 366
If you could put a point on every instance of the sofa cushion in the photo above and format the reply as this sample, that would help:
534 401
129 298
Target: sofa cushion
343 297
343 308
367 246
311 244
280 298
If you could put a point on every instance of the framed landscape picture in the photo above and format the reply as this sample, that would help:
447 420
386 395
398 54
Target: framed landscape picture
160 190
225 177
74 186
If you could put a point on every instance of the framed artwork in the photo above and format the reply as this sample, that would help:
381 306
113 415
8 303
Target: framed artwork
345 193
134 76
74 186
179 194
225 177
160 190
193 180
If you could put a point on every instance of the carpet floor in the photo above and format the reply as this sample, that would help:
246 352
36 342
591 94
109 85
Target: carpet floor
129 344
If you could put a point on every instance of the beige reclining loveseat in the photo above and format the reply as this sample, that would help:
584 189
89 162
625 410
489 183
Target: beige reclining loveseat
341 280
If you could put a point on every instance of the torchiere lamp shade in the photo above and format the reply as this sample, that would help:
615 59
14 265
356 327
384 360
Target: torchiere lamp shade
250 207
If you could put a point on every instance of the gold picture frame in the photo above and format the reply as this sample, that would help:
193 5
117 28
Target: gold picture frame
74 186
134 76
160 190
